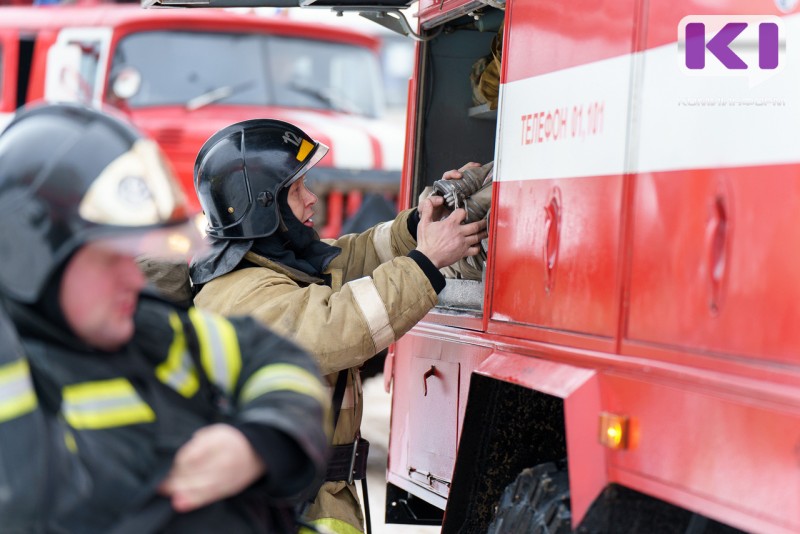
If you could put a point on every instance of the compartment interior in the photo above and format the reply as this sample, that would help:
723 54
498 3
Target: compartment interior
452 129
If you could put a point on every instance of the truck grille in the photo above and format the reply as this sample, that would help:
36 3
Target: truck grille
169 138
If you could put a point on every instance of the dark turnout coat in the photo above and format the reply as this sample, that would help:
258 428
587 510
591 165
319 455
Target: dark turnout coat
86 436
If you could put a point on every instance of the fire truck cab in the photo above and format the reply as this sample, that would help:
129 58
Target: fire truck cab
630 360
181 75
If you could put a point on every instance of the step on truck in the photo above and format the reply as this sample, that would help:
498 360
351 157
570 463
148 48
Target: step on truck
629 360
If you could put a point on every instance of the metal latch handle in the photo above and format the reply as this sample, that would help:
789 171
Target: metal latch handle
430 372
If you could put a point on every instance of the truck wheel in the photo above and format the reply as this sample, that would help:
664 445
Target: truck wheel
536 502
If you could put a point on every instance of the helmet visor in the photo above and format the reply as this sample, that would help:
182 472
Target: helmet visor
312 160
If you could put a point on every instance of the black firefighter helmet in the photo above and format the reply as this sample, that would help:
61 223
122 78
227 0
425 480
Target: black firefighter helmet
240 170
69 175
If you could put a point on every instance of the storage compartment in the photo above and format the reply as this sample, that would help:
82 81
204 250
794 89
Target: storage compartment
431 373
561 177
434 407
447 135
715 208
557 254
451 128
722 239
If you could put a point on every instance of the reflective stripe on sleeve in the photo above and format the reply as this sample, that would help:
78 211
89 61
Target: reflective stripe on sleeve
284 377
219 348
382 241
333 526
287 377
104 404
178 371
17 397
371 305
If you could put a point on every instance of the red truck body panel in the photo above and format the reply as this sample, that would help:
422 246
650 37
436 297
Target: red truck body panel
642 245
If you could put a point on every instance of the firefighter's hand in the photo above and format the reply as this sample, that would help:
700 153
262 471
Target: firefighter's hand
456 174
446 241
216 463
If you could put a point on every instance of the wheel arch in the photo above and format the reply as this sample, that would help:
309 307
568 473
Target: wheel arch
522 411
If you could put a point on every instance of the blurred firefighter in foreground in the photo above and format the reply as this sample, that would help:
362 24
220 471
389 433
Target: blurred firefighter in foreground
119 412
343 300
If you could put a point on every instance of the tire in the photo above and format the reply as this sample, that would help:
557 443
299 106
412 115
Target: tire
537 502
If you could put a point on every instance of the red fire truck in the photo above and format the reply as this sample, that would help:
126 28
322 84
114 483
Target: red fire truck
181 75
630 361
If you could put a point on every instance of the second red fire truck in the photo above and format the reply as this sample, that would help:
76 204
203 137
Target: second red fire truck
181 75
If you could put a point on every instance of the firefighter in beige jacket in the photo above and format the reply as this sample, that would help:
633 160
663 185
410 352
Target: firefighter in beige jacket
343 300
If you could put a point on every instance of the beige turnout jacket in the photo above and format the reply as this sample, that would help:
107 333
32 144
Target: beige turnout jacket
377 295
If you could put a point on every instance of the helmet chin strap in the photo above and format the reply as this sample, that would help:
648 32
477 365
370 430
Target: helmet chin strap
281 224
299 235
298 246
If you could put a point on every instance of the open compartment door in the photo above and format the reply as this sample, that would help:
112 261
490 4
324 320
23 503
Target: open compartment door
387 13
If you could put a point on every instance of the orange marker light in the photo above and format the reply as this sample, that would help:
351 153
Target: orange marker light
614 431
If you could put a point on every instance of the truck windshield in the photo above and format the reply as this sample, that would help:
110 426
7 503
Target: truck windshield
196 69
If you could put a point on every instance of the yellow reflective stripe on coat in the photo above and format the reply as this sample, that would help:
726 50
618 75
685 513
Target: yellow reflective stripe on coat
17 397
104 404
69 441
284 377
374 311
331 525
219 348
178 370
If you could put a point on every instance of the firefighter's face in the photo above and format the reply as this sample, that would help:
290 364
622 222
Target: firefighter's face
99 294
301 201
